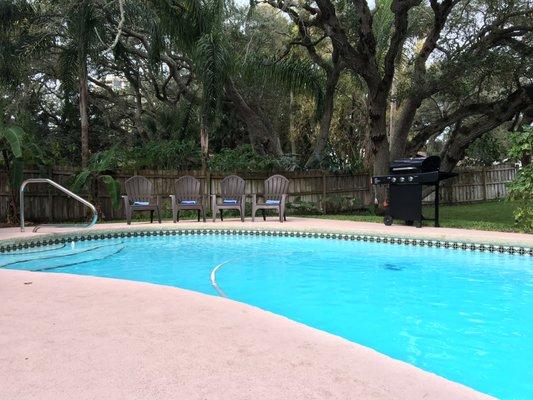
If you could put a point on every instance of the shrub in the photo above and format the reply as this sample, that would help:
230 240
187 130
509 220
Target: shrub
166 154
245 159
521 190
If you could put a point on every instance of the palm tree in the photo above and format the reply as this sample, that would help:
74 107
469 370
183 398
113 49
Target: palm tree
79 32
196 28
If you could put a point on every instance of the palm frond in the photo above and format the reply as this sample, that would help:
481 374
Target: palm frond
291 73
16 172
213 63
382 27
113 189
13 136
68 68
80 181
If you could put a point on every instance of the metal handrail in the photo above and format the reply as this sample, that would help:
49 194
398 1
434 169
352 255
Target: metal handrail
64 190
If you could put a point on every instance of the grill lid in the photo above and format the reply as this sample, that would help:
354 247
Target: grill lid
415 164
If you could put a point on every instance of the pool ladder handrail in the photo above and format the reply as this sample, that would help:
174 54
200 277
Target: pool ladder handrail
64 190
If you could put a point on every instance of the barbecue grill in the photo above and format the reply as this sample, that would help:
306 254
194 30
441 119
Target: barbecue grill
407 176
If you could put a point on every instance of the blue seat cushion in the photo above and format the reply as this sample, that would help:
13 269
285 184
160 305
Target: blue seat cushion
141 203
272 202
229 201
188 202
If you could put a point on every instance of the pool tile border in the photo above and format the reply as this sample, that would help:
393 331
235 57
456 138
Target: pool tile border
7 246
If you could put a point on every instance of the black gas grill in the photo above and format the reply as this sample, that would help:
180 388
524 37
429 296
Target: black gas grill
407 176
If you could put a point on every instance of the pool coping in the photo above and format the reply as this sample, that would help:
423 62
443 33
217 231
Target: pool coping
101 232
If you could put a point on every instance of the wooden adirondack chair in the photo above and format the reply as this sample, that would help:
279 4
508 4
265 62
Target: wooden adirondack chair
273 197
232 197
140 197
187 196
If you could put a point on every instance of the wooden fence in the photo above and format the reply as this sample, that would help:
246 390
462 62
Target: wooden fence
477 184
324 190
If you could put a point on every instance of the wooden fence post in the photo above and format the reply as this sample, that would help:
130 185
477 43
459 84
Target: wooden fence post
484 182
209 189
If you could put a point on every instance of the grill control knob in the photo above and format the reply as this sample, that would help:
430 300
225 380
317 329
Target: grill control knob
410 179
393 179
402 179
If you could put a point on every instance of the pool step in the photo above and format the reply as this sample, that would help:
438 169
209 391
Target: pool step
60 259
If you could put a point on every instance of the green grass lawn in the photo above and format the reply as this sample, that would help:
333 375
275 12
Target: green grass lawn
490 216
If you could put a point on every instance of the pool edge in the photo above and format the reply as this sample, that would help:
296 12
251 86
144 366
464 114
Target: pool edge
99 233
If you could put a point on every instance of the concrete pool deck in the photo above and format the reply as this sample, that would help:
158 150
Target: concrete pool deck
66 336
299 224
78 337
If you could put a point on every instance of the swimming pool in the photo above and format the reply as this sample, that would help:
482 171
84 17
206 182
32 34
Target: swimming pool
465 315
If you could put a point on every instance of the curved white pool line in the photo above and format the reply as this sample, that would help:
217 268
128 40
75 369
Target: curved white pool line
213 277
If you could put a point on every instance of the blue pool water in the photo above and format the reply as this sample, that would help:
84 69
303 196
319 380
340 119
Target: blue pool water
467 316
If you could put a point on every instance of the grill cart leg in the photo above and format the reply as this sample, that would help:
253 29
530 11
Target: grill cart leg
387 220
437 205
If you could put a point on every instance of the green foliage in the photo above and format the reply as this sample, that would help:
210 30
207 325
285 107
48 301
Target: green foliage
197 27
11 138
99 169
12 135
521 143
245 159
291 74
484 151
382 26
165 154
213 64
521 191
302 207
336 203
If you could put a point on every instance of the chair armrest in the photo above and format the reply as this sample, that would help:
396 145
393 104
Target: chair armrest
157 200
243 199
173 200
213 202
283 198
254 198
126 201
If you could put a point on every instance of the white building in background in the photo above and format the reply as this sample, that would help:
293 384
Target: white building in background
117 83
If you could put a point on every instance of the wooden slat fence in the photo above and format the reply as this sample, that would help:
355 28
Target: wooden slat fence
43 203
477 184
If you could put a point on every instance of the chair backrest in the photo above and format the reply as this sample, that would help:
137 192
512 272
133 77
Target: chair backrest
138 188
275 186
187 187
232 187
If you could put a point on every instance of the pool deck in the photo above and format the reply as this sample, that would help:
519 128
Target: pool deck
75 337
301 224
66 336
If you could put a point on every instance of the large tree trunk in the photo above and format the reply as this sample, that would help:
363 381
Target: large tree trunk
379 145
315 160
400 132
84 112
263 138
